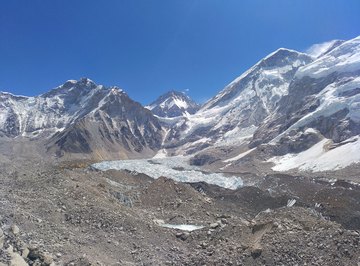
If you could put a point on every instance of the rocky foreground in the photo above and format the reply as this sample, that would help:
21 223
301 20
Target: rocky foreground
70 214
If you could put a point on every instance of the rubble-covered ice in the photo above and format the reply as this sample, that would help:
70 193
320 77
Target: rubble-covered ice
172 167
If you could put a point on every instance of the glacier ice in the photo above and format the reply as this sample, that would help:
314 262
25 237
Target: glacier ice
175 168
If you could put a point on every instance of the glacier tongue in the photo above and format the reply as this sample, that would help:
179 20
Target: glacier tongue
172 167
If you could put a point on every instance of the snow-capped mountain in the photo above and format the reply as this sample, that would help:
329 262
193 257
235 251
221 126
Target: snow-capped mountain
82 117
236 112
288 107
173 104
50 112
323 106
290 110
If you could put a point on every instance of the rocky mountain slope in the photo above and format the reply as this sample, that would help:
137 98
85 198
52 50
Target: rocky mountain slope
173 104
280 109
234 114
82 119
323 104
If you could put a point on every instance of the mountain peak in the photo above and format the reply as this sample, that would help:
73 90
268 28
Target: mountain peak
281 57
73 87
173 103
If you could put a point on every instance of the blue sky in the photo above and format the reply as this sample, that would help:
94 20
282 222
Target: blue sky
149 47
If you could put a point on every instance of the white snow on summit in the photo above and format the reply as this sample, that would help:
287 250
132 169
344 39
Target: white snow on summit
344 58
173 104
320 48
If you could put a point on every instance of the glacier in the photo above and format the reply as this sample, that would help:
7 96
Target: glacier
175 168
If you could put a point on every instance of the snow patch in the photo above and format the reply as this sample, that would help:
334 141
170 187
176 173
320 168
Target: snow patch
184 227
320 158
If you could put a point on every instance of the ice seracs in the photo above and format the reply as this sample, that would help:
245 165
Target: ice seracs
168 167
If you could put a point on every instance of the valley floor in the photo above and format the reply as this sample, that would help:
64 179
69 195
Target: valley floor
72 214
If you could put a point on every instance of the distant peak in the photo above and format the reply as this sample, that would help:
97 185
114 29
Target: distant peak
283 52
175 93
72 81
83 84
283 56
116 90
86 81
173 103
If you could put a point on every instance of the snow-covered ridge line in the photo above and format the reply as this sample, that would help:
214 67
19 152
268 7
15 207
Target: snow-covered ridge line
343 58
52 111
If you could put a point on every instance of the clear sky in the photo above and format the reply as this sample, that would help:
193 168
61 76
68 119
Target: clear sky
148 47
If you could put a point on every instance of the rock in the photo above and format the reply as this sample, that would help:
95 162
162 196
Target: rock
46 258
34 253
224 221
182 235
16 259
2 238
354 233
214 225
256 252
25 252
178 234
203 245
15 229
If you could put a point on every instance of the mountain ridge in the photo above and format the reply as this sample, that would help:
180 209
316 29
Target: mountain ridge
283 105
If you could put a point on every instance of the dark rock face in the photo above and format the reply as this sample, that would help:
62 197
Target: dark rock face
12 125
296 143
119 124
173 104
202 159
302 101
